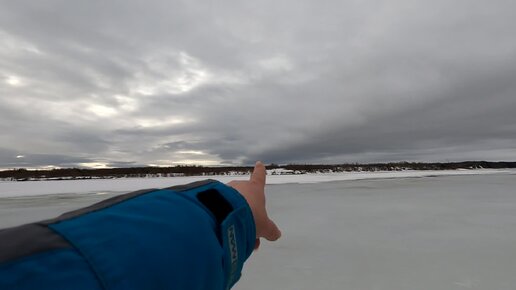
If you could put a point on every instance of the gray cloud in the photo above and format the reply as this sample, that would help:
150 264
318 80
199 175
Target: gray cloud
167 82
15 159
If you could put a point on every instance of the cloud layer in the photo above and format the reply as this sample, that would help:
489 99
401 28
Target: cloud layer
126 83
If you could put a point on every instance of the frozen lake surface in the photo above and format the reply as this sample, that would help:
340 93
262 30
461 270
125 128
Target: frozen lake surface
432 233
401 232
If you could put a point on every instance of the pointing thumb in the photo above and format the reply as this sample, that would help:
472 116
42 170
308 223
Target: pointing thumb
271 231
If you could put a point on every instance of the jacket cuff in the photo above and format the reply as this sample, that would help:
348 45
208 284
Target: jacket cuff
238 234
236 228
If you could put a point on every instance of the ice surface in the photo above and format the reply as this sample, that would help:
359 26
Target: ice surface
439 233
360 231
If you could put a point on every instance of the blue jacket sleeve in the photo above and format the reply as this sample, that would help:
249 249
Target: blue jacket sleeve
195 236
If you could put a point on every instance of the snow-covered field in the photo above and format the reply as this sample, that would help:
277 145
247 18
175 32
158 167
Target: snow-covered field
405 230
31 188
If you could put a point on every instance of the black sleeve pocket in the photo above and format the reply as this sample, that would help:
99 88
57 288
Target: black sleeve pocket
216 203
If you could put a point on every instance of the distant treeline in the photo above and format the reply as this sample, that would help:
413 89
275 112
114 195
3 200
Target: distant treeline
395 166
183 170
81 173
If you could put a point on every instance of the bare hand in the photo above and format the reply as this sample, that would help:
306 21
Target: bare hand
254 192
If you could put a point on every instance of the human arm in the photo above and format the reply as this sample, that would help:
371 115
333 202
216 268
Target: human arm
253 191
188 237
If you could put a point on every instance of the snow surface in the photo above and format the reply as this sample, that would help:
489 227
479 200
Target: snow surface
31 188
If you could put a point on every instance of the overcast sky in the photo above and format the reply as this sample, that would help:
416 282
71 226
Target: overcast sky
124 83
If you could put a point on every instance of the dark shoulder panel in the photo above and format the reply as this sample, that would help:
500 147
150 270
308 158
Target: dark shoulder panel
28 239
185 187
98 206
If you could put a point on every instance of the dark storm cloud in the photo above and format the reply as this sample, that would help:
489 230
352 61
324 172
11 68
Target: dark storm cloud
13 159
165 82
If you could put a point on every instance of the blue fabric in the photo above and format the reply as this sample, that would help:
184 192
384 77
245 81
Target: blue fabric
52 270
238 232
159 240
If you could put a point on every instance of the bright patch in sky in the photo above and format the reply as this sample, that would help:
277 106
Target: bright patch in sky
20 156
14 81
102 111
127 103
95 165
147 123
192 152
193 75
171 74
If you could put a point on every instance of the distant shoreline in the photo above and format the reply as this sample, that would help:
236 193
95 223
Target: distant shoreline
274 169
